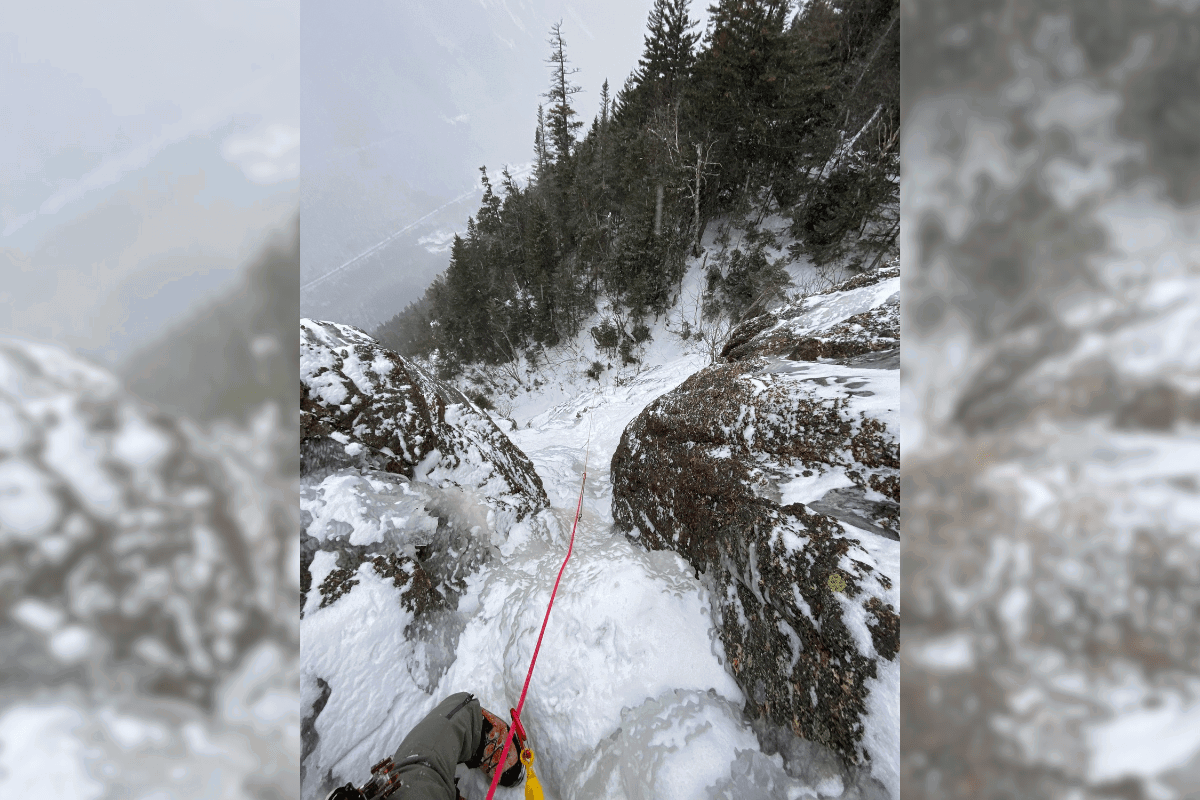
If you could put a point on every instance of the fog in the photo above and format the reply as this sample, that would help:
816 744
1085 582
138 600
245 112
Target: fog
403 104
148 293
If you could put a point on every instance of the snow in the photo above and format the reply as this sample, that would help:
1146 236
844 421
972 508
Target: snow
882 722
630 697
663 749
358 646
812 488
822 311
627 626
371 508
871 391
323 563
41 756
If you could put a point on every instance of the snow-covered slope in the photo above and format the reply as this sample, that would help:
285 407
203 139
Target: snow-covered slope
631 696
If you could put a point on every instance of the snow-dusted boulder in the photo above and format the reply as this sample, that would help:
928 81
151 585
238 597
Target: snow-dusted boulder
857 317
129 545
362 405
406 530
779 479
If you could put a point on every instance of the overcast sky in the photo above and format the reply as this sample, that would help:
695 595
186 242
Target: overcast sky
403 103
156 144
153 145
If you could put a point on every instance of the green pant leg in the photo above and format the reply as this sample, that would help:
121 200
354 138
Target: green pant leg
447 736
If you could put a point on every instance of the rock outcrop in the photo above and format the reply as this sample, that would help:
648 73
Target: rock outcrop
396 463
405 489
819 327
777 475
362 405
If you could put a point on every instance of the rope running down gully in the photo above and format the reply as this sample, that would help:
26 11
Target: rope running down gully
538 646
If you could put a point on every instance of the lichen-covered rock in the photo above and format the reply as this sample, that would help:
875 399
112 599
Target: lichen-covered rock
779 478
131 544
397 464
363 405
417 593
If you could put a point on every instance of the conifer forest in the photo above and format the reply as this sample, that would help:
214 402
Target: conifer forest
776 110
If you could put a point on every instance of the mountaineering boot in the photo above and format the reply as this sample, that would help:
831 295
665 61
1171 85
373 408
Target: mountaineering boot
491 745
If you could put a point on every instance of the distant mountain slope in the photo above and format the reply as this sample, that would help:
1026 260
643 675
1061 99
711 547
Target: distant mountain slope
230 357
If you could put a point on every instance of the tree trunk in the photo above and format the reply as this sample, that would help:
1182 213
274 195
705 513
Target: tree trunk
696 201
889 240
658 201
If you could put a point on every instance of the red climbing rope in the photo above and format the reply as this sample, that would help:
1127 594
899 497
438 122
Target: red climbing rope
538 646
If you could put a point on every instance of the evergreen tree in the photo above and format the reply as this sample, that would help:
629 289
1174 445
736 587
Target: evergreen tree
800 119
853 194
668 55
604 103
540 147
740 97
561 118
602 137
489 208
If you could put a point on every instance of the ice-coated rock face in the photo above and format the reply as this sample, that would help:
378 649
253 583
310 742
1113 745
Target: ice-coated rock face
398 465
406 488
131 555
778 476
365 406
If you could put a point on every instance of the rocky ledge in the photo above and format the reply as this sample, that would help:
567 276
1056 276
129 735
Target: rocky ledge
363 405
391 457
776 474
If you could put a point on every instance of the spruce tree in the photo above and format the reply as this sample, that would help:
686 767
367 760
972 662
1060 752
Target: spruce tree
561 117
668 55
540 146
605 100
744 97
602 137
489 208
